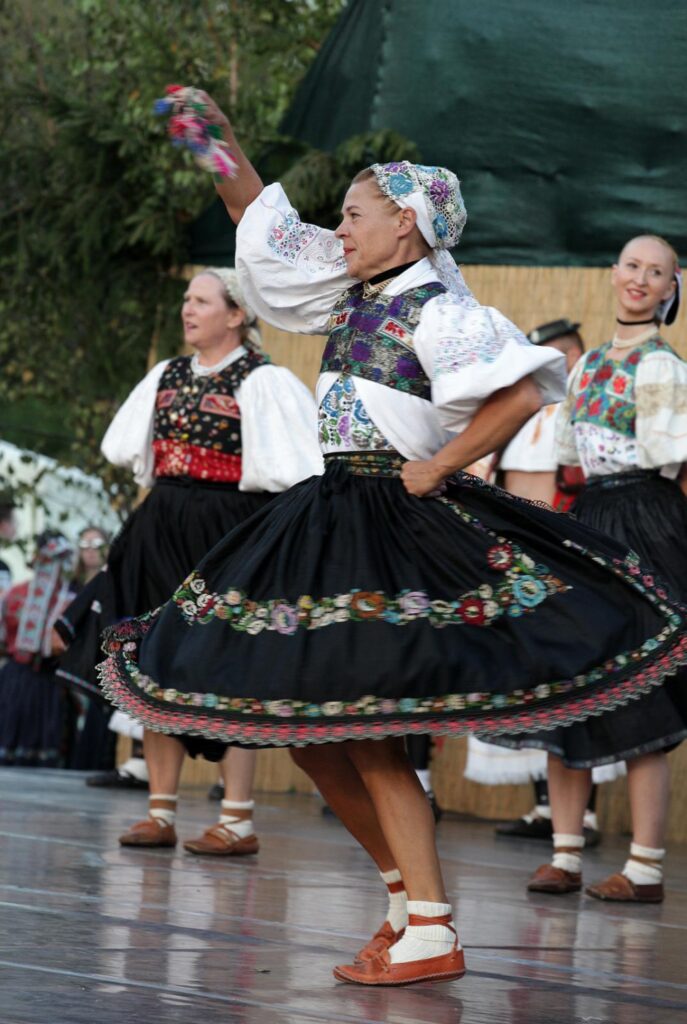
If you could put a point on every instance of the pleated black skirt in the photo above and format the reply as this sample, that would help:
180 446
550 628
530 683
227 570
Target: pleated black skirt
350 609
164 538
647 514
36 716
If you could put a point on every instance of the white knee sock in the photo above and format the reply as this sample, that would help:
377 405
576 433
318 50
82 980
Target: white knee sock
567 852
420 942
165 814
397 914
639 871
241 824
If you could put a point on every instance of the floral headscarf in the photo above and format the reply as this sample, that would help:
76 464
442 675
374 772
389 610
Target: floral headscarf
232 289
434 194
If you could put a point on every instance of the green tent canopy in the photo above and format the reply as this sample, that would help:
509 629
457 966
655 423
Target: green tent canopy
564 120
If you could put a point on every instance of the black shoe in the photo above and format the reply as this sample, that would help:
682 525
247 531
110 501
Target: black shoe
592 837
216 792
522 828
116 779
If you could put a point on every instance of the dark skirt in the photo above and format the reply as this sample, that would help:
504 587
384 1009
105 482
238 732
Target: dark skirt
647 514
160 543
350 609
36 716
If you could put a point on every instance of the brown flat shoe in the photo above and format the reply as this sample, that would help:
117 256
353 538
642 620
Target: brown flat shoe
382 939
220 841
380 971
620 889
150 832
555 881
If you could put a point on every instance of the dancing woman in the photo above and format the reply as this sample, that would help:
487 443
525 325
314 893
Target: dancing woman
625 422
393 595
214 435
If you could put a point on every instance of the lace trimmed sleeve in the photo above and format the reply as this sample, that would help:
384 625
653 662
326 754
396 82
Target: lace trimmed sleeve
661 425
291 273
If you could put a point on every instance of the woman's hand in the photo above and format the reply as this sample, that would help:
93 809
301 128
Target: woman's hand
424 479
213 114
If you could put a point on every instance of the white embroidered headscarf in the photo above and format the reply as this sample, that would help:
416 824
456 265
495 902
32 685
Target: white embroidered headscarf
434 194
228 278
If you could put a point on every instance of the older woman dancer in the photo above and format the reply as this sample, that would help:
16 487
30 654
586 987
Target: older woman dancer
625 423
216 434
390 597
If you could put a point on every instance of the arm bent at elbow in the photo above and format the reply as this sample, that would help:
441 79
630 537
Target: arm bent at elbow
236 193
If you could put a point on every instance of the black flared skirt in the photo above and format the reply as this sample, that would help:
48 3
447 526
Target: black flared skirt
647 514
36 716
350 609
160 543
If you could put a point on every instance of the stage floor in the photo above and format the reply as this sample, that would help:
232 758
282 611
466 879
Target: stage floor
94 934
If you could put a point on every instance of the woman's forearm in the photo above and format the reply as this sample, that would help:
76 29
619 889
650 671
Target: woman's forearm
499 419
236 193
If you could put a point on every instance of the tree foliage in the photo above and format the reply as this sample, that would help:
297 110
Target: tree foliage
96 205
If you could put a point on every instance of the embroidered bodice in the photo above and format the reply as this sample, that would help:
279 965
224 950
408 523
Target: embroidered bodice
373 338
344 422
609 420
197 425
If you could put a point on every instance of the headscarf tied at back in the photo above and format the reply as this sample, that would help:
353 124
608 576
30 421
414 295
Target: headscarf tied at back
46 596
229 280
434 194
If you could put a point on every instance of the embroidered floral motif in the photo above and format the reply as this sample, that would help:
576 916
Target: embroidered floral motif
606 390
372 338
344 421
291 240
197 431
440 189
525 585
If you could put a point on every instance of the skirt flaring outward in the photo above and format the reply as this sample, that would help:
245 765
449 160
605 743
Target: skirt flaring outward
349 609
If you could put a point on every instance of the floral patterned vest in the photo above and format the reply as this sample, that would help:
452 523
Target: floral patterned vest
197 427
373 338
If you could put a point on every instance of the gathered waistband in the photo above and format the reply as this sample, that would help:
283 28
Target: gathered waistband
632 476
387 463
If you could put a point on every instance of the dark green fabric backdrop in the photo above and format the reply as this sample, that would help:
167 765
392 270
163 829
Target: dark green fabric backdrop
564 119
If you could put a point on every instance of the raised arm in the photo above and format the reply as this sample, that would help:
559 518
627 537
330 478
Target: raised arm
236 193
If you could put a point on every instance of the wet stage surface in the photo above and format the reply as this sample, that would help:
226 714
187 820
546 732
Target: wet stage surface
95 934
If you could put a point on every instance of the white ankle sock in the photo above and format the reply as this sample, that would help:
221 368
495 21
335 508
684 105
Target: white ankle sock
420 942
639 872
240 826
135 766
397 915
590 820
163 815
568 861
425 780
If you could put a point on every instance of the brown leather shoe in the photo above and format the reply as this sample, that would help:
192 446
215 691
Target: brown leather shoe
553 880
382 939
380 971
620 889
149 832
220 841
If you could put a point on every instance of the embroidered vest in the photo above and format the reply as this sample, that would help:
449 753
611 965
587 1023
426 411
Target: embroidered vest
373 338
606 390
197 427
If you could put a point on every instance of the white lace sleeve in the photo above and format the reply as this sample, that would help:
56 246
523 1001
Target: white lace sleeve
661 397
566 449
291 273
470 351
128 440
278 431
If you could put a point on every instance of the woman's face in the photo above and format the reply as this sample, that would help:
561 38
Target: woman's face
206 318
371 230
92 549
642 278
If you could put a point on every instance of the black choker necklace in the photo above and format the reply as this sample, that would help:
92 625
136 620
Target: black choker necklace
386 275
632 323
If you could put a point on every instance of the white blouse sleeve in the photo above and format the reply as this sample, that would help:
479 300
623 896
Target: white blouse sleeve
566 448
470 351
278 431
128 440
291 273
661 397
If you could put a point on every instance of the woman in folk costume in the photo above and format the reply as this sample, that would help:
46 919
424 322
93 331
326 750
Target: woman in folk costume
394 595
34 712
625 422
214 435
